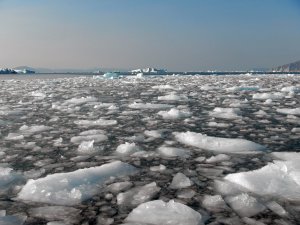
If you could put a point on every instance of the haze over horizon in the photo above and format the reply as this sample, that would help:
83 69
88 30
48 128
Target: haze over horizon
172 34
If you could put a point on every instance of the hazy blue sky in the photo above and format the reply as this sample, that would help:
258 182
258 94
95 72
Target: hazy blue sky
172 34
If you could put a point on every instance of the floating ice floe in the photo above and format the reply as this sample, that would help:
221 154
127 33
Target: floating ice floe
174 113
180 181
226 113
136 105
295 89
173 152
245 205
73 187
243 88
163 87
90 135
278 179
173 97
159 212
34 129
138 195
264 96
127 149
8 179
214 203
99 122
295 111
229 145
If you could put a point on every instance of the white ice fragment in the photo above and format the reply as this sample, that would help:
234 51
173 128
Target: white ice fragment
86 147
164 87
73 187
8 178
174 114
154 133
276 208
218 158
185 193
264 96
158 168
99 122
295 111
226 113
138 195
180 181
173 152
214 203
245 205
127 149
278 179
215 124
173 97
217 144
136 105
159 212
33 129
291 89
14 137
119 186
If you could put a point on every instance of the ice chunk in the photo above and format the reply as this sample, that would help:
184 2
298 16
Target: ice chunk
245 205
159 212
286 156
112 75
99 122
154 133
276 208
295 111
69 215
158 168
79 101
119 186
173 97
273 96
217 144
138 195
226 113
218 158
34 129
173 152
243 88
127 149
214 203
180 181
174 113
86 147
291 89
8 178
278 179
136 105
74 187
14 137
164 87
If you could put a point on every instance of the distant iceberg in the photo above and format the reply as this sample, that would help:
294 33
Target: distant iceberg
149 71
7 71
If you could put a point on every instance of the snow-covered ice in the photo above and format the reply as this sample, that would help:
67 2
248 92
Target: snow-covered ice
159 212
74 187
217 144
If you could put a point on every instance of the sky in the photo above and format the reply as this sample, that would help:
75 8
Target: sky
191 35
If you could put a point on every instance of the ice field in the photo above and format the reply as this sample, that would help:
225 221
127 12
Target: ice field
164 150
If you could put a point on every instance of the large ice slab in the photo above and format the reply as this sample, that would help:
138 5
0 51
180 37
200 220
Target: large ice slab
159 212
74 187
278 179
217 144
